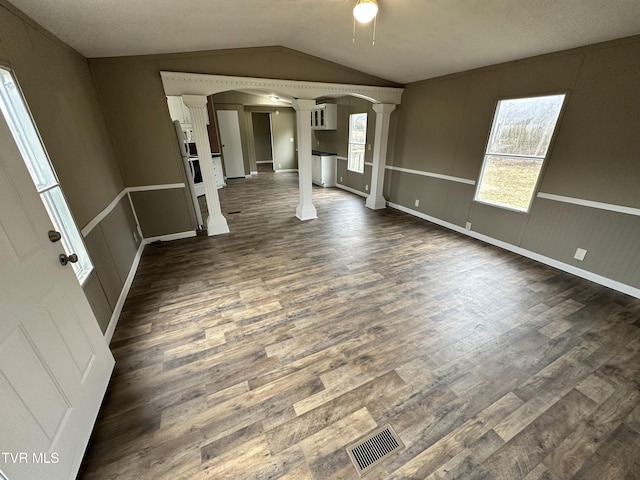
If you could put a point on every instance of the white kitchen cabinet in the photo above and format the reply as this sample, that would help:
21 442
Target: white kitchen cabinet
323 170
324 116
179 111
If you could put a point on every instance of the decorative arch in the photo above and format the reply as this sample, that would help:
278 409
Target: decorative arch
179 83
195 87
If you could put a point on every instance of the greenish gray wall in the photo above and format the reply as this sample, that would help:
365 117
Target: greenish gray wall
442 128
262 136
283 130
58 87
113 247
283 125
133 100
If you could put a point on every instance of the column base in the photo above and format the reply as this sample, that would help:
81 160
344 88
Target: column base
217 225
376 203
307 212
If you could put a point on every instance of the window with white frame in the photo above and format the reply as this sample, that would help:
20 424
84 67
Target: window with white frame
18 117
357 141
520 136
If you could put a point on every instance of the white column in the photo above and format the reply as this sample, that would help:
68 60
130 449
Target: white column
305 209
375 200
197 105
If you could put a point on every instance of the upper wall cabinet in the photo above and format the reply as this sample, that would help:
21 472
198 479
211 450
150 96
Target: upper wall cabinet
179 111
324 116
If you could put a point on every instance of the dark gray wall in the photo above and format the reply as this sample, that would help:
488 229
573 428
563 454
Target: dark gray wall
442 128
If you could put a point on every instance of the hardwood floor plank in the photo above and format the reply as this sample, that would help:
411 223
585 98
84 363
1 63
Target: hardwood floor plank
618 458
453 444
263 352
529 447
591 434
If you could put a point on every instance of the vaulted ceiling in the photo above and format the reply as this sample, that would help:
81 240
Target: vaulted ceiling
415 39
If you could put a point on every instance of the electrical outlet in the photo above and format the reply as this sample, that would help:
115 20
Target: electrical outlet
279 165
468 226
366 188
580 254
340 179
369 146
291 139
417 203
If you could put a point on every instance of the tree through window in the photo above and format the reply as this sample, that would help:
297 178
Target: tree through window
518 143
357 141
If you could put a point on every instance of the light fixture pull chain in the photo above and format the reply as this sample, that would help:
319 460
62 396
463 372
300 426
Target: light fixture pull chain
375 21
354 29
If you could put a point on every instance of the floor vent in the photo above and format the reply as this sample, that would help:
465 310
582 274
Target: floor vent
374 448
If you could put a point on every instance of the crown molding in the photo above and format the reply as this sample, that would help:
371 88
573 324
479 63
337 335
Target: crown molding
180 83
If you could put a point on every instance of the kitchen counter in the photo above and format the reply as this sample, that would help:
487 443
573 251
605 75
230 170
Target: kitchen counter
320 153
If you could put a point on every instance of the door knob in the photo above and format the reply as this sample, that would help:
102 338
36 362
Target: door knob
73 258
54 236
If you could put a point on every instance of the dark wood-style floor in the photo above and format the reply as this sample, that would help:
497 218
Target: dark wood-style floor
265 352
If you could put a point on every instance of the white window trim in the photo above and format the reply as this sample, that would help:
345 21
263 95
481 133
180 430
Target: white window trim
349 163
543 159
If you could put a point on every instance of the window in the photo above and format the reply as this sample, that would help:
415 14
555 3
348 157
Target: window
357 141
33 153
520 136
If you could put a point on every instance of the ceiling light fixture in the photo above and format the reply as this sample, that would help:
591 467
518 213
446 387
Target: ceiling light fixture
364 12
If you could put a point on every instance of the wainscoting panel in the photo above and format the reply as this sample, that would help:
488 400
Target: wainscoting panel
612 239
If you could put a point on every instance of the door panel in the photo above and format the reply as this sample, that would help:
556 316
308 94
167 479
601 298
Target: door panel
231 143
54 361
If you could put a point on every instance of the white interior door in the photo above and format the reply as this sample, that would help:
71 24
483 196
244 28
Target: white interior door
229 128
54 362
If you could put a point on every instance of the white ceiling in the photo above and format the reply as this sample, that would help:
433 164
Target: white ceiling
415 39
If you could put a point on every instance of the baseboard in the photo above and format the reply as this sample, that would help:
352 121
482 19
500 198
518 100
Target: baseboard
115 316
565 267
352 190
286 170
170 237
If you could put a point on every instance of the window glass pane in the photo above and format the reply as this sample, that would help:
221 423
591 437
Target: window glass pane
358 128
356 158
63 222
524 126
518 143
19 120
509 181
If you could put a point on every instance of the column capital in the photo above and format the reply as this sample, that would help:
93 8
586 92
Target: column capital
303 104
194 101
384 107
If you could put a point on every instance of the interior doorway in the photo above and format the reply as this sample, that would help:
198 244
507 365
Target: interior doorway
263 141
